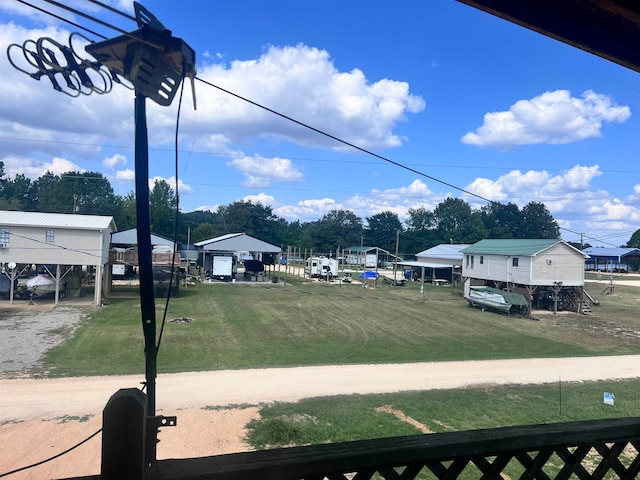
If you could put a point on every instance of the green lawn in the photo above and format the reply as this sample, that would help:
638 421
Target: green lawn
267 325
356 417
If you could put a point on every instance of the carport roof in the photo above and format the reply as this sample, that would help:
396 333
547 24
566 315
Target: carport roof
237 242
130 237
608 253
445 251
415 263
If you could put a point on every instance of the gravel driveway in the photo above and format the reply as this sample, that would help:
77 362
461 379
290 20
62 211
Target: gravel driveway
28 330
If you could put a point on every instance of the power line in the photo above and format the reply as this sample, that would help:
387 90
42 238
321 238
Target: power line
113 9
344 142
62 19
41 462
85 15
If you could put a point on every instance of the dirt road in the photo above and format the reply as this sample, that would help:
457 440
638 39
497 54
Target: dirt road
23 399
39 418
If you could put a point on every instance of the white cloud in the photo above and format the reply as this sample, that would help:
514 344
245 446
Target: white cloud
115 161
302 82
553 117
183 188
34 169
261 198
261 172
307 210
126 175
207 208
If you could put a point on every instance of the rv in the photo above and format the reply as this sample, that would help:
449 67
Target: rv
321 267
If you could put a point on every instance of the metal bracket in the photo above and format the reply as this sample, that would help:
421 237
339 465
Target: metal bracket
160 421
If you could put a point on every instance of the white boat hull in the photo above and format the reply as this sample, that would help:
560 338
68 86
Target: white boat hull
493 301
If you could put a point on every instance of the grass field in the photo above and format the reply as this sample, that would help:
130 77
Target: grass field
247 325
355 417
301 323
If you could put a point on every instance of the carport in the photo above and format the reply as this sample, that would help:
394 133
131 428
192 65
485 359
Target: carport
235 243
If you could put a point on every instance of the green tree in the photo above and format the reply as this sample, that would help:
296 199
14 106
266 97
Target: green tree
203 231
126 217
254 219
457 223
420 232
16 193
503 220
162 209
538 222
382 229
337 228
89 192
46 195
634 241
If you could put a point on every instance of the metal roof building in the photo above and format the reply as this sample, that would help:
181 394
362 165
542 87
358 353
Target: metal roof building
237 242
55 239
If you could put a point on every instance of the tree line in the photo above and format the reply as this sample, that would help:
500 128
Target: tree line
451 221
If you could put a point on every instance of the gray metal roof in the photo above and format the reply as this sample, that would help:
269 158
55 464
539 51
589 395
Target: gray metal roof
445 251
130 237
237 242
56 220
416 263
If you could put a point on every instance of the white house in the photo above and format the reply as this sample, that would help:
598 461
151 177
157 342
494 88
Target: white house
56 239
534 267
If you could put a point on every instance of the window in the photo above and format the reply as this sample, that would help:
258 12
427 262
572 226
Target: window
49 236
5 233
481 259
471 261
514 261
467 259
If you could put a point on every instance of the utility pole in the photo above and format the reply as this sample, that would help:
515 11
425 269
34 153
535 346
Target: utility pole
395 263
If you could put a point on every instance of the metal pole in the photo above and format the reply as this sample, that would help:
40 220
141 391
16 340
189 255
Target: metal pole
147 297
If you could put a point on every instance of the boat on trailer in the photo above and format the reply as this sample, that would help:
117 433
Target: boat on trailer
494 299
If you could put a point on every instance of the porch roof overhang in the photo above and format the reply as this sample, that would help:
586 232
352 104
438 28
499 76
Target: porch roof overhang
607 28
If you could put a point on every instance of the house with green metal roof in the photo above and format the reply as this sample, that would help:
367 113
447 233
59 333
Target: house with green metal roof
536 268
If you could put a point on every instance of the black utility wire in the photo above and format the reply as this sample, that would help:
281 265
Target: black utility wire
85 15
62 19
344 142
113 9
175 225
41 462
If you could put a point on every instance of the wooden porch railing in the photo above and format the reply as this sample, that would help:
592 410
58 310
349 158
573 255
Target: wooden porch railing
598 449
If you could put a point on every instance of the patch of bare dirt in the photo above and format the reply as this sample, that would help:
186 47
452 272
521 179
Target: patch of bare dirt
199 432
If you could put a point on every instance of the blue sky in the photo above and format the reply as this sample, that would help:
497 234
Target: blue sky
449 91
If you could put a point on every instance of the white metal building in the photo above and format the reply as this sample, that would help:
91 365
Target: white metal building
57 239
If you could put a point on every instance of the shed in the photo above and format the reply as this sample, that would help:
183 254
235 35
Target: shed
535 267
63 240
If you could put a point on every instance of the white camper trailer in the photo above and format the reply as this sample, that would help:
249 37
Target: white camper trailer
321 267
